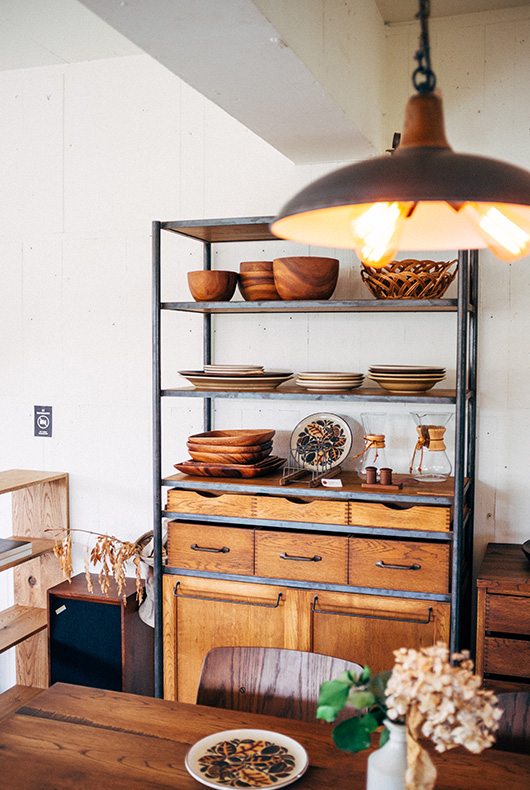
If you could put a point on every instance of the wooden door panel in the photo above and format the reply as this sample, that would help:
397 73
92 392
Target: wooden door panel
367 629
209 613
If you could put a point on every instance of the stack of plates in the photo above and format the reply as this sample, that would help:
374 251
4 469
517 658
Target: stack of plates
330 382
406 378
237 453
248 381
233 370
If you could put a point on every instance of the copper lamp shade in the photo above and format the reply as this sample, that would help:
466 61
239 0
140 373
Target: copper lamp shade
423 197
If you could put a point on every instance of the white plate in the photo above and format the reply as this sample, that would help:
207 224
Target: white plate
329 376
321 441
232 752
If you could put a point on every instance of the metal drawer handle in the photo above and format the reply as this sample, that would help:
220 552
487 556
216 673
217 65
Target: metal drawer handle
224 550
413 567
315 558
229 600
372 616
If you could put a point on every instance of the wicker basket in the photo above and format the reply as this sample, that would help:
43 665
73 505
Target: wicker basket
410 279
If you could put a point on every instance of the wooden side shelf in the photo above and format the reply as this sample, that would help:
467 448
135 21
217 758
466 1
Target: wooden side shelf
19 622
39 514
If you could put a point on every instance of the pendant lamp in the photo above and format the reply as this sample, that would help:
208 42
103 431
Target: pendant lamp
423 196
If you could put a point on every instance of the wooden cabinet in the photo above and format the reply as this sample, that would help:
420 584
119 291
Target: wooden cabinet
503 617
361 628
99 640
360 573
39 514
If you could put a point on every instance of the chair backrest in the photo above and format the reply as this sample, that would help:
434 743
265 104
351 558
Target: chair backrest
514 730
274 681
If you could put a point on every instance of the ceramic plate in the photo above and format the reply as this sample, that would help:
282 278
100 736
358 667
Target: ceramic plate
326 375
260 381
321 441
247 758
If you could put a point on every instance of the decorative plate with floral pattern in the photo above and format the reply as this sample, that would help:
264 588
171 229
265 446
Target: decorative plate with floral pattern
246 759
321 442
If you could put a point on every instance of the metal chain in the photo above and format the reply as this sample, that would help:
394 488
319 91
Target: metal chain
423 55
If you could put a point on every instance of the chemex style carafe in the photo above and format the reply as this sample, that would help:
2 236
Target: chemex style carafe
430 462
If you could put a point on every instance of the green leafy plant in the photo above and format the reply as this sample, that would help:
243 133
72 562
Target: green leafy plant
364 693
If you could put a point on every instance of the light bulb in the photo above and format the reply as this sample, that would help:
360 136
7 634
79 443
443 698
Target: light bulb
506 234
376 231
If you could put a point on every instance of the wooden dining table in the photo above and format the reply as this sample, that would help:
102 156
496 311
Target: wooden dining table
77 738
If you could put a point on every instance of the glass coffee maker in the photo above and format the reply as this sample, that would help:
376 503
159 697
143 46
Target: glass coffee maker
374 454
430 462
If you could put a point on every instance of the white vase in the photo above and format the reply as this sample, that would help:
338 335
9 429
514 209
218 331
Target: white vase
387 766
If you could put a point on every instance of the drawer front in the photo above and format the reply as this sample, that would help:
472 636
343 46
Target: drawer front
508 613
374 514
399 565
208 503
317 511
507 657
206 547
302 556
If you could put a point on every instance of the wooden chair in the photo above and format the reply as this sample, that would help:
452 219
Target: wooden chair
274 681
514 731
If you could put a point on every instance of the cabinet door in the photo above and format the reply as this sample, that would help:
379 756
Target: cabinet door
367 629
201 613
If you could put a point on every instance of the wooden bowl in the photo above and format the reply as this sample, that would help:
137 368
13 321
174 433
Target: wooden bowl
212 286
256 281
305 277
231 438
197 447
229 458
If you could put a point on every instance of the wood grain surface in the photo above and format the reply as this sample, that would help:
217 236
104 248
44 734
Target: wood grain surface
74 737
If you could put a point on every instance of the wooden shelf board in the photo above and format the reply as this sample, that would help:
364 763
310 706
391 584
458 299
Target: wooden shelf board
318 306
292 392
18 623
38 546
16 479
411 493
224 230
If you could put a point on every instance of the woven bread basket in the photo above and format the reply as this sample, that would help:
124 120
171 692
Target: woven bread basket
410 279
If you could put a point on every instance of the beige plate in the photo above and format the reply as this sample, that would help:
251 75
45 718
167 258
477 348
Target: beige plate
407 386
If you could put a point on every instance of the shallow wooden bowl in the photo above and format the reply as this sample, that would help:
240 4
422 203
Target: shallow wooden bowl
229 458
305 277
234 437
222 448
212 286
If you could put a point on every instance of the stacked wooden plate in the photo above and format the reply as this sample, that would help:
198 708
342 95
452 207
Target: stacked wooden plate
247 379
236 453
314 381
233 370
406 378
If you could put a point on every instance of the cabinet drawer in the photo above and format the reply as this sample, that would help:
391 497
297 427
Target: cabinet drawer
508 613
399 565
507 656
208 503
316 511
374 514
206 547
302 556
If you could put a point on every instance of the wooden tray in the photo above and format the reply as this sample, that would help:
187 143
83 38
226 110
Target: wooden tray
231 470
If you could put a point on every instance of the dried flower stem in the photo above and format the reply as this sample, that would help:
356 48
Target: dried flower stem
112 553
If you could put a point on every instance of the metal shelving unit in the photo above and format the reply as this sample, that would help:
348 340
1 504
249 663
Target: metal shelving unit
462 398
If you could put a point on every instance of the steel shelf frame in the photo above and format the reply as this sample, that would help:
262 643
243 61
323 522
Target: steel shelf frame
463 399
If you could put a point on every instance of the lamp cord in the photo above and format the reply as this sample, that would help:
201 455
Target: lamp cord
423 55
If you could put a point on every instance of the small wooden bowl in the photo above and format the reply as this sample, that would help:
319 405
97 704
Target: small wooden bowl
305 277
212 286
256 286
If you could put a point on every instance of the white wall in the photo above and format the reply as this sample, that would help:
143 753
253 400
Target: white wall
93 152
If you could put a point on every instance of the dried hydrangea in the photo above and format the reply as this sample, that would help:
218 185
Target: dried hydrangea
442 700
